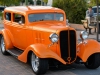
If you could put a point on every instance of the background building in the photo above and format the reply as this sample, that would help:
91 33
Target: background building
50 2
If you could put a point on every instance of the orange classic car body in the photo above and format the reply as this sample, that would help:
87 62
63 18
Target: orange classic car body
34 36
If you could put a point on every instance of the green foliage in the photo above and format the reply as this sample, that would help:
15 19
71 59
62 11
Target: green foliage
9 2
74 9
94 3
0 14
31 2
38 2
45 1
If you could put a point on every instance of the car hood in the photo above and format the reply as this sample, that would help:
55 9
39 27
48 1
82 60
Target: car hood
50 27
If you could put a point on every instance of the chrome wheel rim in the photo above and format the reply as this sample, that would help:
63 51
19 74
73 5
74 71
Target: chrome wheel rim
35 62
3 45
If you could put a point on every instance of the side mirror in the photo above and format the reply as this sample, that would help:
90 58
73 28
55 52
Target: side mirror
20 22
67 22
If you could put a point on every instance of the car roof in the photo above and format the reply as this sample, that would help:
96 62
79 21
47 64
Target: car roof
24 9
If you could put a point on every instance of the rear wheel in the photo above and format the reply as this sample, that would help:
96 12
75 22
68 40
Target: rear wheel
3 47
39 65
93 61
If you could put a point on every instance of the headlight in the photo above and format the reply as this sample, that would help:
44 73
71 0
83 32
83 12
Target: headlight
84 35
54 37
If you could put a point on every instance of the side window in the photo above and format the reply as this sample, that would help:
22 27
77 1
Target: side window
8 16
18 18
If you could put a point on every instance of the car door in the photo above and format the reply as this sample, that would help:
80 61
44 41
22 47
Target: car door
19 30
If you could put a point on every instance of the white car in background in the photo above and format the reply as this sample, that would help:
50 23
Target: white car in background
94 8
2 8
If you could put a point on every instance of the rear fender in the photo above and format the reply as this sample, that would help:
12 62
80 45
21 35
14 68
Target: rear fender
40 50
84 50
7 39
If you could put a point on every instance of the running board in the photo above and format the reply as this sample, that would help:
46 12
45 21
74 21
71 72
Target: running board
15 52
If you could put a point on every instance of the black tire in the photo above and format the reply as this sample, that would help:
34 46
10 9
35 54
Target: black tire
2 46
42 65
93 61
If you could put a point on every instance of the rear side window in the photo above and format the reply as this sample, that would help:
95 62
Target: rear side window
8 16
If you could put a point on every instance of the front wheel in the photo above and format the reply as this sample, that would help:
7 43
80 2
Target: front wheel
3 48
93 61
39 65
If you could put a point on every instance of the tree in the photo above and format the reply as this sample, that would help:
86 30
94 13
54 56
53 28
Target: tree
45 1
38 2
93 3
74 9
9 2
31 2
22 1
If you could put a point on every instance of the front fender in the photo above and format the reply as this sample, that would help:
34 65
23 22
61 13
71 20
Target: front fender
87 49
40 50
7 39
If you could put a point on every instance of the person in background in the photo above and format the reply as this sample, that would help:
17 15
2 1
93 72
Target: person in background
89 14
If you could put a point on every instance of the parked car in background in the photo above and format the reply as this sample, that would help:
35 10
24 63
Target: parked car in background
41 36
2 8
94 8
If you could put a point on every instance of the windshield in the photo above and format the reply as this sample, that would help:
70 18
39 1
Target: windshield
45 17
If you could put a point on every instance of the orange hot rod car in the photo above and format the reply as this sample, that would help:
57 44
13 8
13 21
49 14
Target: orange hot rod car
40 35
